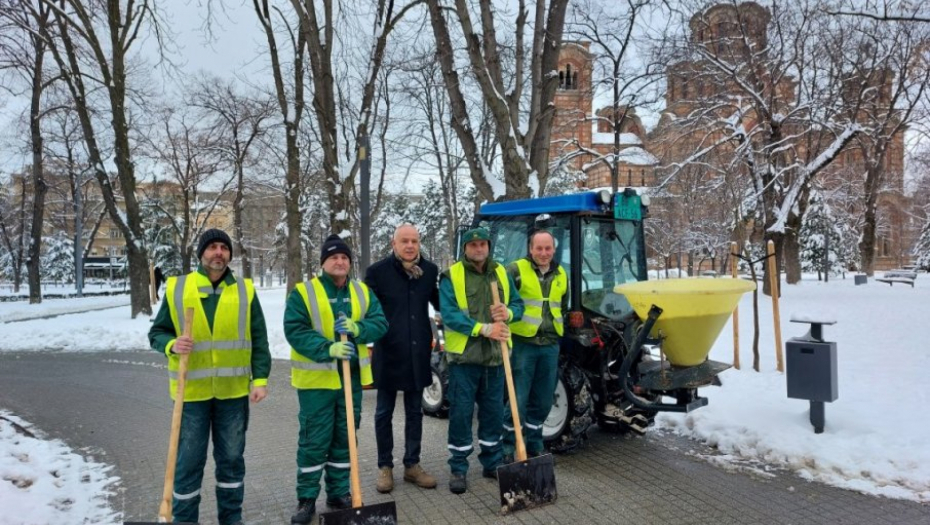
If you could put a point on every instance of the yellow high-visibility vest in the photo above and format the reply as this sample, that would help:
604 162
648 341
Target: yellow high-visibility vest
533 300
307 373
220 365
456 341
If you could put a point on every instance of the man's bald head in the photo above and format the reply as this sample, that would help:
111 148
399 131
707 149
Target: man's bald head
406 242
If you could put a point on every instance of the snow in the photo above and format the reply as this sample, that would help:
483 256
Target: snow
44 481
22 310
626 139
636 156
874 440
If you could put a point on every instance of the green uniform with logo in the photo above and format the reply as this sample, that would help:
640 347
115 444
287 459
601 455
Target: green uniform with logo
309 319
535 359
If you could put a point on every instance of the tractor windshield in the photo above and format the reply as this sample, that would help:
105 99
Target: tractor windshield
611 255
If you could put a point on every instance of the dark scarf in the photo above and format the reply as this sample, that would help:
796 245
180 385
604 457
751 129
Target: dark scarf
412 268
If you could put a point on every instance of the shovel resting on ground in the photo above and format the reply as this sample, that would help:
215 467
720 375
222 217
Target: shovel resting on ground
164 512
525 483
377 514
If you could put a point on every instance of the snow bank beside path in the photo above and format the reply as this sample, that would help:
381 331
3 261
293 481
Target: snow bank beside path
44 481
97 331
876 432
21 310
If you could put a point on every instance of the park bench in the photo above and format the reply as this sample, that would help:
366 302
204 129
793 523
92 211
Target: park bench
898 276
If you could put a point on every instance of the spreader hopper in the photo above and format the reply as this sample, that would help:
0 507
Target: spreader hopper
694 312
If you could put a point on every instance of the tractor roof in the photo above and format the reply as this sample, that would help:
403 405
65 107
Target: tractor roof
591 202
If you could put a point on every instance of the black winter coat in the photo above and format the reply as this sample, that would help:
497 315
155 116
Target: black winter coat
401 359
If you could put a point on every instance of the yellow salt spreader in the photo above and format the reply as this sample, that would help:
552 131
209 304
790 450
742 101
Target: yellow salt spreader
682 318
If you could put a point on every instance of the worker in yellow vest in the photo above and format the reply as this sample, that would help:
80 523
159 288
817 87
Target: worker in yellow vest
228 366
317 312
474 329
543 286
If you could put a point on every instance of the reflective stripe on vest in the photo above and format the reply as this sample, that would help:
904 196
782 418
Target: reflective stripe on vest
220 365
533 301
306 373
456 341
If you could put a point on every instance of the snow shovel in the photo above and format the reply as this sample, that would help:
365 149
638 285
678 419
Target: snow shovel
377 514
164 512
525 483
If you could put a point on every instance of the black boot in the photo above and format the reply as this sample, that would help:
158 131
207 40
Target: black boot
343 502
457 484
306 508
490 473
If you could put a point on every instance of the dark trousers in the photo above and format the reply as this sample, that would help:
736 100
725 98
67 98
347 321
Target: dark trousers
413 426
484 385
227 420
535 374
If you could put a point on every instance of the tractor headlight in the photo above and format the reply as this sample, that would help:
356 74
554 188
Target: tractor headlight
645 200
604 196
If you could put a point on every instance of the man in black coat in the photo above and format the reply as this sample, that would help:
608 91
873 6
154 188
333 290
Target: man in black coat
405 284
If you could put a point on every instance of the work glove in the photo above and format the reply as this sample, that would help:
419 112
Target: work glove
346 326
342 350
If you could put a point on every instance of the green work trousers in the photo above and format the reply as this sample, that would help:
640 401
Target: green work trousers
484 385
323 444
535 373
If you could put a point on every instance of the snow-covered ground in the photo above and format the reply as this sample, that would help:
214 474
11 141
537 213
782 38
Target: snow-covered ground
22 310
6 289
44 481
875 439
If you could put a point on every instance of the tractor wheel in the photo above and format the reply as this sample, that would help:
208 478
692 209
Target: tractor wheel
566 427
435 396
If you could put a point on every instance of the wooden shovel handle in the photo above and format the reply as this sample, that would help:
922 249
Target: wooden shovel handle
520 448
356 484
164 512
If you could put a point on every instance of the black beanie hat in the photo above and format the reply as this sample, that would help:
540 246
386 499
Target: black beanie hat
210 236
333 245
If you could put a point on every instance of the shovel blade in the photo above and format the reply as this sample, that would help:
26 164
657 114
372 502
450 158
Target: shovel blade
377 514
527 484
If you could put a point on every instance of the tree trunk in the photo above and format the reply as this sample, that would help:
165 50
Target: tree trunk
792 251
869 223
39 186
237 226
292 213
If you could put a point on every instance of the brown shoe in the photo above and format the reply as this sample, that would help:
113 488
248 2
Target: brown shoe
416 474
385 480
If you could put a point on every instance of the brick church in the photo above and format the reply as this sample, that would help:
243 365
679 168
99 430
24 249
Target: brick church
584 140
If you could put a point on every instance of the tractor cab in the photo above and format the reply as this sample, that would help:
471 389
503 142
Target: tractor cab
599 242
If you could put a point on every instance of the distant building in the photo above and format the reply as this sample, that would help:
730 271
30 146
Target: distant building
583 137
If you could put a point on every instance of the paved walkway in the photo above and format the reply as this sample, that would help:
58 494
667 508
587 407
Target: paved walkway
115 406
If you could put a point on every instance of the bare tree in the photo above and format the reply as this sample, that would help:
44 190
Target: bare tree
355 109
185 147
625 67
758 88
242 120
93 42
22 53
887 80
435 147
524 154
289 94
